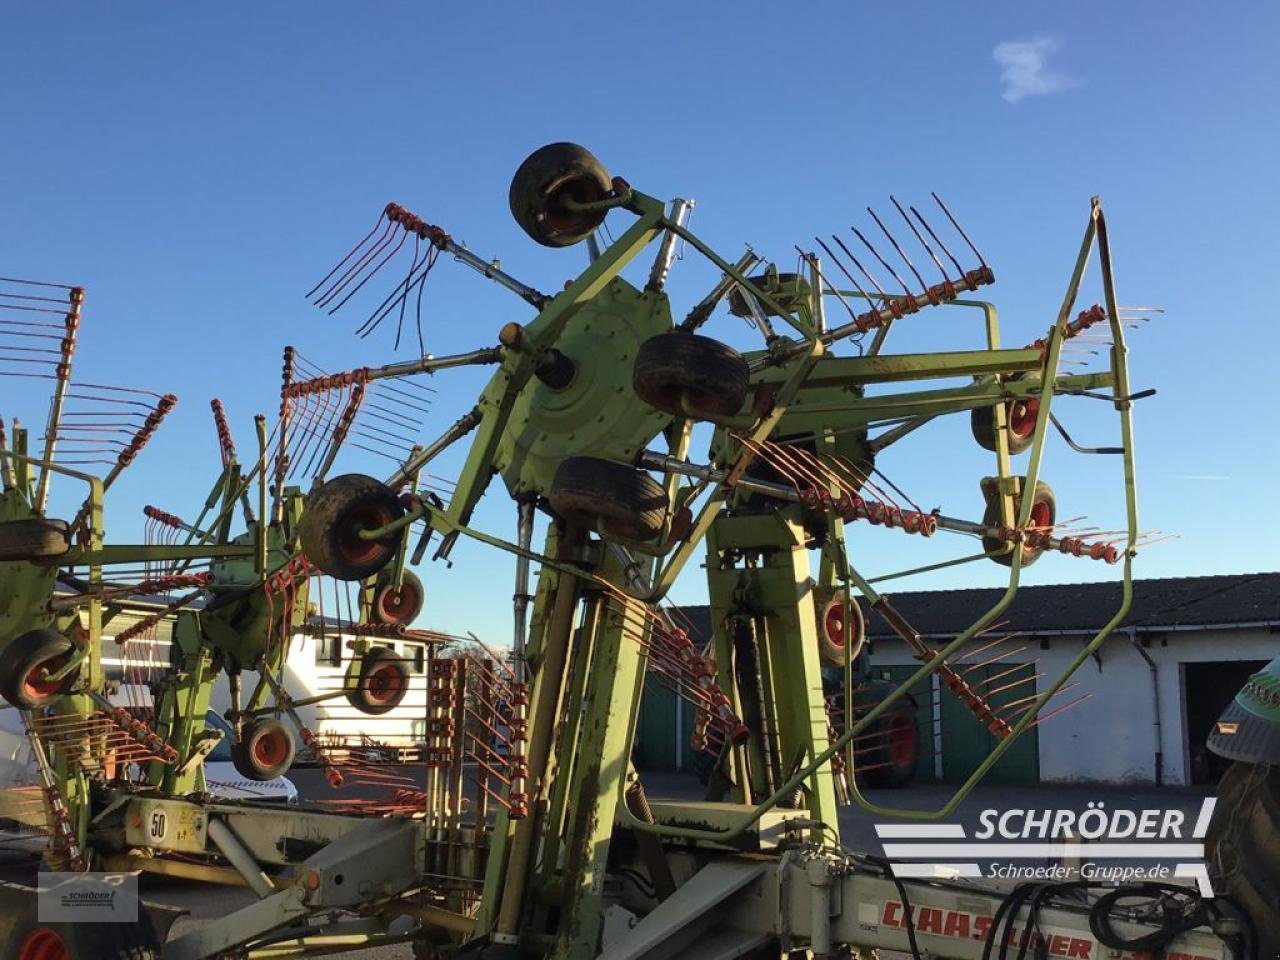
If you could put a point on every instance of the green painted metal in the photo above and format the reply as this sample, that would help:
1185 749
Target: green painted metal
966 742
758 568
591 619
611 697
596 414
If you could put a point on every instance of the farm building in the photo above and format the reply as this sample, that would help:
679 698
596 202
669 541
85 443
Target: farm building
1150 694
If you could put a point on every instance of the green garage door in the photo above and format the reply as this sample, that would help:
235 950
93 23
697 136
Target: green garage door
966 742
658 746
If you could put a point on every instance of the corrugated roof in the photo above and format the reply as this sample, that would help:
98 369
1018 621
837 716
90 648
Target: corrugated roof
1158 604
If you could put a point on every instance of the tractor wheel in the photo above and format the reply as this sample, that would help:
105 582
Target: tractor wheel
1020 415
397 607
672 369
831 620
1044 511
1243 845
548 177
34 539
381 682
890 758
265 750
334 516
22 667
613 498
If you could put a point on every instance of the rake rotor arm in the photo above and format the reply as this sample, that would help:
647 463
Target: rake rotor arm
430 364
443 241
75 299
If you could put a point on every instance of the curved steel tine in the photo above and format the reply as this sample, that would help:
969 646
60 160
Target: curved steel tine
883 262
920 237
861 268
959 229
905 259
938 240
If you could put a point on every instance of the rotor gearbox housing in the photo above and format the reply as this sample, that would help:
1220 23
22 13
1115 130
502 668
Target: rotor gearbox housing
597 413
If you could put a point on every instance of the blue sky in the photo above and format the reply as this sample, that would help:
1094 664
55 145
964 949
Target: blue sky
198 168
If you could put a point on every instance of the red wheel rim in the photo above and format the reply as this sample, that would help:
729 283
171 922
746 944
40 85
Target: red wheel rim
355 549
1041 514
43 944
398 606
580 189
833 622
902 741
35 686
271 748
1022 417
384 683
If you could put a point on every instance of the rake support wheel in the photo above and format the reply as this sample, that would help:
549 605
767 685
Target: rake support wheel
397 607
612 498
335 515
1044 511
381 682
1020 415
24 663
673 369
831 620
265 750
549 177
34 538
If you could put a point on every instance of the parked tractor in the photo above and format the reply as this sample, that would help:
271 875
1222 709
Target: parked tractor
1244 834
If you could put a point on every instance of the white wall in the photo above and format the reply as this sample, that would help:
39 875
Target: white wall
1111 737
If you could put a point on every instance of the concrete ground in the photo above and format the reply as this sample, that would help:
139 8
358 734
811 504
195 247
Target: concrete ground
856 825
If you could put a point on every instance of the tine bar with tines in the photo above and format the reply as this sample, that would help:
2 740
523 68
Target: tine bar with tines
891 307
380 246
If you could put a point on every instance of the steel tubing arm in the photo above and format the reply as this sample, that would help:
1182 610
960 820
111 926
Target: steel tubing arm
234 850
464 425
525 292
430 364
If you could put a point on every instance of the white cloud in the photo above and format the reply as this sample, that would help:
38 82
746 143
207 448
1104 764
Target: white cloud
1025 69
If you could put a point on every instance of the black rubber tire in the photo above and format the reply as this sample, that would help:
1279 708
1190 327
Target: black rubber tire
34 539
334 515
1017 413
26 654
1243 846
711 375
890 758
397 607
265 750
830 630
547 177
381 682
612 498
85 941
433 944
738 300
1044 512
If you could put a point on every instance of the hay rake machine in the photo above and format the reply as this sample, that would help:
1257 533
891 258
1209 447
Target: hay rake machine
589 417
112 725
